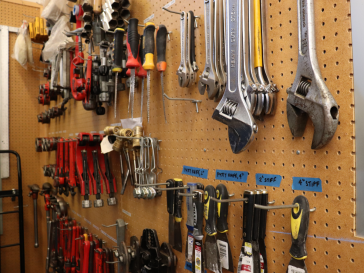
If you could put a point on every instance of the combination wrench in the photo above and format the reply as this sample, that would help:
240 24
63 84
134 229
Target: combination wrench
183 70
309 95
232 109
208 79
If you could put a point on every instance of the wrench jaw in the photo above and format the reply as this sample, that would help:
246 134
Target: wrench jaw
207 83
183 78
322 110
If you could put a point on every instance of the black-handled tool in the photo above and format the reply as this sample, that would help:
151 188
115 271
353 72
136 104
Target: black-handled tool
222 228
198 206
170 209
178 216
300 218
255 237
192 42
161 58
212 257
34 190
118 60
262 229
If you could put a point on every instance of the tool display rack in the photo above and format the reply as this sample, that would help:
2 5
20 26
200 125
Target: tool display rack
195 139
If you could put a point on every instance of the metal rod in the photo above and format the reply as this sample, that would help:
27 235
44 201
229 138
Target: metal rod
112 262
147 185
281 207
228 200
171 11
173 189
271 202
186 194
109 225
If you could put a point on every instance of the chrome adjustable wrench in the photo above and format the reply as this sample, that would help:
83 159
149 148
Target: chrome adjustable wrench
184 67
232 109
191 35
188 30
309 96
208 79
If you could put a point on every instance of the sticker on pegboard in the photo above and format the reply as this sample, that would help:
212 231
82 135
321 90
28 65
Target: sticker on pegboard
272 180
234 176
196 172
307 184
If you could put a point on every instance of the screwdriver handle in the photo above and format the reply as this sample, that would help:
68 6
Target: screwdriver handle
258 56
170 197
148 46
258 200
222 208
161 48
248 214
118 50
263 216
300 218
189 205
198 215
141 73
178 201
192 38
132 42
210 211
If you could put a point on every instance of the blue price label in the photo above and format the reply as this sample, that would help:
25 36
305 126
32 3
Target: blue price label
307 184
196 172
234 176
272 180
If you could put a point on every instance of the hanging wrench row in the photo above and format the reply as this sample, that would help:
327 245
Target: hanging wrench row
187 69
141 155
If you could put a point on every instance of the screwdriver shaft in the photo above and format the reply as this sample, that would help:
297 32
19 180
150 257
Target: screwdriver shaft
148 91
164 107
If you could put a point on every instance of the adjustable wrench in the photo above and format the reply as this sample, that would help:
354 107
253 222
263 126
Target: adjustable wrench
208 78
216 48
309 96
191 43
232 109
183 70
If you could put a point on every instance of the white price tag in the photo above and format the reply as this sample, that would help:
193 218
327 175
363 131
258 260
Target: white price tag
245 264
261 264
190 248
293 269
106 146
198 259
224 253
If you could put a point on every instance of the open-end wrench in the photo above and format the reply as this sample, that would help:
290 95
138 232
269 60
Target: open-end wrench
183 69
208 79
309 95
221 26
268 78
232 109
261 89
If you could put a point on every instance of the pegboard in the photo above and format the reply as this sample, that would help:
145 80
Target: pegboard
195 139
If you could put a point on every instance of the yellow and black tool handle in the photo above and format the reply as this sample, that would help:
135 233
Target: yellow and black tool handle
210 210
248 215
118 49
148 46
198 205
222 208
300 218
161 48
170 197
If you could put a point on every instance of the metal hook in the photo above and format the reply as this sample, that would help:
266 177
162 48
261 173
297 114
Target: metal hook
171 11
281 207
173 189
139 25
148 185
112 262
228 200
112 225
185 99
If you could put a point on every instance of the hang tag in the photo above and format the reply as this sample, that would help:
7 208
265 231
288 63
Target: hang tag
106 146
190 247
293 269
245 264
224 253
131 122
198 259
261 264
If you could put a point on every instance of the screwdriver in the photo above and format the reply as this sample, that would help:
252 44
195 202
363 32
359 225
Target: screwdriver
118 60
148 51
141 74
132 42
161 58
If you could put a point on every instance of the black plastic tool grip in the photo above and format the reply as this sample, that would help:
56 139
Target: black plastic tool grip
170 197
210 208
178 201
161 48
133 36
148 46
141 52
300 218
248 214
222 208
198 206
256 222
118 49
192 38
263 215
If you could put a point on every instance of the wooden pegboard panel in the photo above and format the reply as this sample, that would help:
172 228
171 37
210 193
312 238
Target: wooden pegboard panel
198 140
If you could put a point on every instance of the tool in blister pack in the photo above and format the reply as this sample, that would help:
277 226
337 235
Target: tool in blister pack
208 79
232 109
148 52
222 228
132 43
212 255
309 95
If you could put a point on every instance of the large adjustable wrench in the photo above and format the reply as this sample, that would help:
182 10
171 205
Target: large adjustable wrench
309 96
208 79
232 109
183 70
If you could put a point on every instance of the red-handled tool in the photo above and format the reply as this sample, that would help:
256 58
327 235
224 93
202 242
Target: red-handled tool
109 178
72 166
142 73
86 254
97 184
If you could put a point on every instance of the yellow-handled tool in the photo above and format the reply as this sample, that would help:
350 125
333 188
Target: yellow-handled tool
258 48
